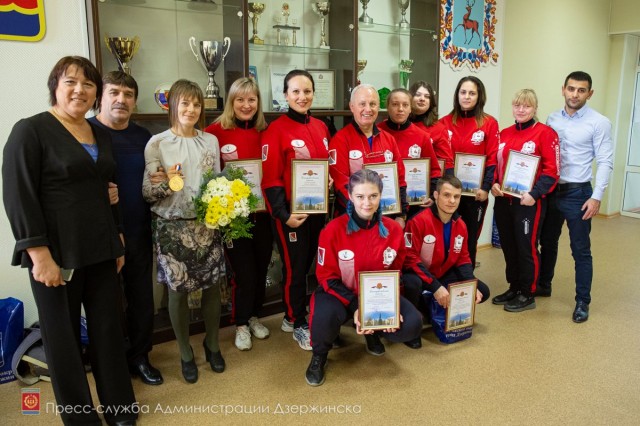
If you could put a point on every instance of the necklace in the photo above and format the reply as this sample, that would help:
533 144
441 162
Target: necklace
79 131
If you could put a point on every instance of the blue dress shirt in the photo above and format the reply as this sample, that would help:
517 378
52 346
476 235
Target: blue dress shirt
584 136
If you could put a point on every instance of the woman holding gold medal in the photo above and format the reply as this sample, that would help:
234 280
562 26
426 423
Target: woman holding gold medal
190 255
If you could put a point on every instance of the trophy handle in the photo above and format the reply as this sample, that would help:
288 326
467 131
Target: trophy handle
226 42
194 47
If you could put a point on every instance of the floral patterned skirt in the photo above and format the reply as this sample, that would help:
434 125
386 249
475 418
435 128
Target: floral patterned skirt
190 255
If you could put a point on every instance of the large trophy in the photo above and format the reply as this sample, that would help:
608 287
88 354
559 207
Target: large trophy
123 49
322 8
403 5
256 10
210 57
406 68
364 18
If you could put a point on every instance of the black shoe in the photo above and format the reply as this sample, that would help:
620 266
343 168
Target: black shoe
374 345
543 291
520 303
505 297
315 371
581 313
122 423
414 343
215 359
190 369
147 373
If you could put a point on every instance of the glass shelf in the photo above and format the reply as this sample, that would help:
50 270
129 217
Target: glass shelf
292 49
197 6
393 29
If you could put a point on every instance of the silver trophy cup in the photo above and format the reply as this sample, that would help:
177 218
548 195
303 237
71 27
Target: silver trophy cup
210 56
403 5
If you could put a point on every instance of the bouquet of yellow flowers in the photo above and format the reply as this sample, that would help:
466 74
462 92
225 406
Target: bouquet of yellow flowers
225 202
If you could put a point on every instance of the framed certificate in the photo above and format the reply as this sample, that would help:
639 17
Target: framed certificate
379 300
252 170
416 173
310 186
469 168
441 163
390 197
324 96
520 173
462 308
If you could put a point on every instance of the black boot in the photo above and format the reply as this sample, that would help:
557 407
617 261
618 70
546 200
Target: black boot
505 297
374 345
214 358
190 369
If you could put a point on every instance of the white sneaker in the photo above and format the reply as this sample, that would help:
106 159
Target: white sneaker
303 337
243 338
287 326
258 329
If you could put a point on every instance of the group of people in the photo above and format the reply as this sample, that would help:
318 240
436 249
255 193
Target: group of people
102 196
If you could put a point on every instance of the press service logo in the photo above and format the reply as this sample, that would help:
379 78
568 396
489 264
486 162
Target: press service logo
30 401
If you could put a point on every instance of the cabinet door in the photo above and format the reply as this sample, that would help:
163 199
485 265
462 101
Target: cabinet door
384 43
164 55
288 35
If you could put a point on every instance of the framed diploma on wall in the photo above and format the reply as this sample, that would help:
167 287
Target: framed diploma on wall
324 96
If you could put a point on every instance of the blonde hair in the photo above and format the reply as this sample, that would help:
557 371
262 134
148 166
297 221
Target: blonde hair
242 87
526 97
188 90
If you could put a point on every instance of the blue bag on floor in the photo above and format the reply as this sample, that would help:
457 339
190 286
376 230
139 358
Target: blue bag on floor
439 319
11 334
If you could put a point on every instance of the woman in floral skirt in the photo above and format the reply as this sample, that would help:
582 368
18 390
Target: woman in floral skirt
190 255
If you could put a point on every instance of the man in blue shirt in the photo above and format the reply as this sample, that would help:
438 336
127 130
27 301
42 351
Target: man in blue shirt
584 135
119 95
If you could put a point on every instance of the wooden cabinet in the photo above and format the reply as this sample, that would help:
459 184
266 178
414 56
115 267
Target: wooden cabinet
165 26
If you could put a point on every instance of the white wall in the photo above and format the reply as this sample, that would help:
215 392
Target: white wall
25 69
492 78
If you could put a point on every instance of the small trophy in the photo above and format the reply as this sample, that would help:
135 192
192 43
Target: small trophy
405 67
123 49
210 57
279 27
362 63
364 18
322 8
403 24
256 10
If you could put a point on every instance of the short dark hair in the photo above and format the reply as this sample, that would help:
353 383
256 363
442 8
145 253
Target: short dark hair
432 112
396 91
451 180
188 90
120 78
296 73
60 68
578 76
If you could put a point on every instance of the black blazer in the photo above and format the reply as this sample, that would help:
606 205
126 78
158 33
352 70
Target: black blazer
55 195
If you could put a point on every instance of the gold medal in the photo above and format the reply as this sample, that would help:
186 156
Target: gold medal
176 183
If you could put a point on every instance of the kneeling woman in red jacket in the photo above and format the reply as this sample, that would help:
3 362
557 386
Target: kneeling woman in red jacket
361 240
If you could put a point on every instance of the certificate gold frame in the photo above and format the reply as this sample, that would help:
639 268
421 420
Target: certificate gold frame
379 300
519 173
390 197
417 174
324 96
310 186
469 168
462 308
252 171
